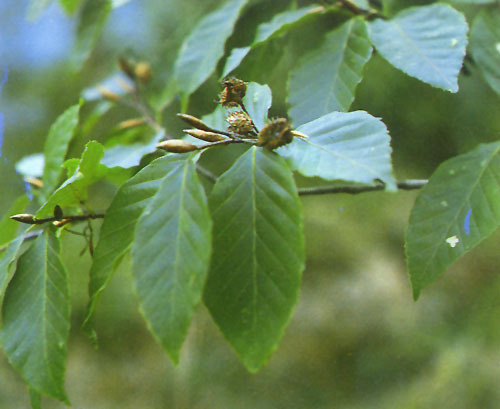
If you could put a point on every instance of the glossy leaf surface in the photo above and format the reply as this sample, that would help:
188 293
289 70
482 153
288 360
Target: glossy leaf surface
457 209
352 146
171 254
426 42
258 254
35 317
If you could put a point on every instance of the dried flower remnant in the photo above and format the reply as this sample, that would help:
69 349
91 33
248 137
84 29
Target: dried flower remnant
233 92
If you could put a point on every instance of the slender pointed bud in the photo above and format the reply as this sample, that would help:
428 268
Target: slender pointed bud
108 94
299 135
204 135
60 223
193 121
127 67
24 218
275 134
131 123
176 146
143 71
58 213
34 181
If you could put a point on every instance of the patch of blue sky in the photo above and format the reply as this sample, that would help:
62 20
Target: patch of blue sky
35 44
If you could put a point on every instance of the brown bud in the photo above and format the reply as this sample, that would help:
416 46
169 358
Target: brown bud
131 123
143 71
62 222
240 123
193 121
275 134
205 135
176 146
127 67
233 92
107 93
24 218
58 213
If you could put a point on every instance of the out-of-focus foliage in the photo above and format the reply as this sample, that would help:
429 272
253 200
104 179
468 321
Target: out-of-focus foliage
356 338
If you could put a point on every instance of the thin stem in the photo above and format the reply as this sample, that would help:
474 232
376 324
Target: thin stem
28 236
64 219
410 184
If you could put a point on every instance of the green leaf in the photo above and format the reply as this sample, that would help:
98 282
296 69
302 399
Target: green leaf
70 6
36 315
473 1
91 20
258 254
171 254
427 43
36 8
351 146
204 47
56 146
258 100
279 25
118 228
324 80
35 399
9 227
456 210
485 45
73 191
7 261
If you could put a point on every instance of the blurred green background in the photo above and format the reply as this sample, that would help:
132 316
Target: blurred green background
356 339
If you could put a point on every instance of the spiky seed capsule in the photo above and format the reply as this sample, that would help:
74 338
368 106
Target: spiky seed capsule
204 135
233 92
143 71
193 121
176 146
240 123
276 133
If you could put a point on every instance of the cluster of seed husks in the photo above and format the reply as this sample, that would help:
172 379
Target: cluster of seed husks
276 133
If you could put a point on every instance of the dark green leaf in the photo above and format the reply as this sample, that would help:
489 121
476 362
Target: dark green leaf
427 43
118 228
205 46
324 80
457 209
35 399
277 26
485 45
7 263
56 146
35 317
91 20
258 254
70 6
73 192
9 227
171 254
351 146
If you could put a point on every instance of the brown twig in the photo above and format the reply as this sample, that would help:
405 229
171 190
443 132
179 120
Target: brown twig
410 184
31 219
